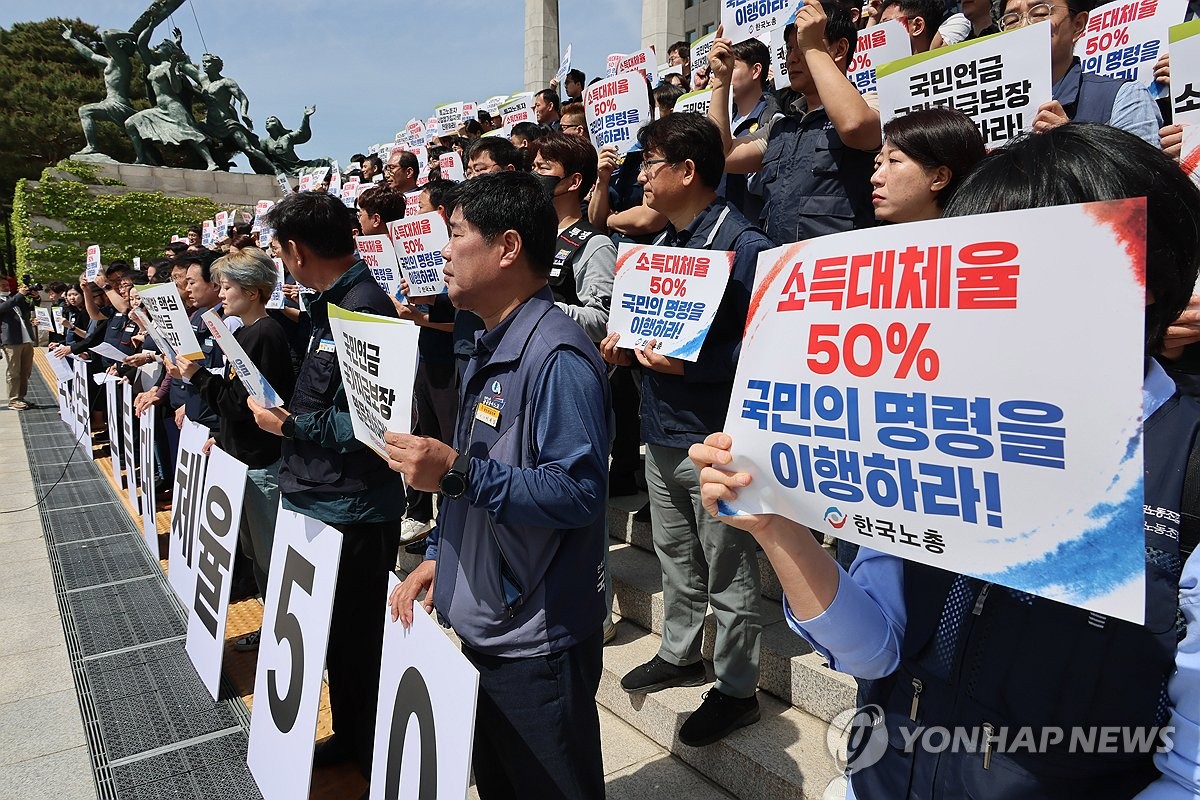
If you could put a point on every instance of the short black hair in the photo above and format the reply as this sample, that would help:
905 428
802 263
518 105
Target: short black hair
575 153
58 287
576 76
667 95
1081 163
501 151
442 193
751 52
176 247
684 136
513 201
551 97
529 131
117 268
195 229
839 24
384 201
932 11
357 157
682 48
317 220
938 137
375 161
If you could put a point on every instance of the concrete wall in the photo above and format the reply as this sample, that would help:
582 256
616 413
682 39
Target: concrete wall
223 188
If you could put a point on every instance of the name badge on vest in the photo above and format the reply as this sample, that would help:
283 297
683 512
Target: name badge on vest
327 346
489 408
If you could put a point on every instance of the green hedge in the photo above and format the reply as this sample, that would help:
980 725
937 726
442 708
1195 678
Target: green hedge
126 225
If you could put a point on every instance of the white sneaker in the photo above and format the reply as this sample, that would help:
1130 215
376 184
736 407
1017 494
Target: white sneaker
413 529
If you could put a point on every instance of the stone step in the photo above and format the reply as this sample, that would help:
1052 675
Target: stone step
622 527
788 667
783 755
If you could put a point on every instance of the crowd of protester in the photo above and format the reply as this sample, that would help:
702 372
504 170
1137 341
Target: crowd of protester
517 542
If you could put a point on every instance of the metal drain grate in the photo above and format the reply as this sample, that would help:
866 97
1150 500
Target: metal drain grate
122 616
214 769
115 558
93 522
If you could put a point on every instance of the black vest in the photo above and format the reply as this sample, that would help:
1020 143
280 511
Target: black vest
1087 97
1020 660
307 466
570 245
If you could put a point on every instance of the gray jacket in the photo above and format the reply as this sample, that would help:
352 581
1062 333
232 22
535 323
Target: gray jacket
15 311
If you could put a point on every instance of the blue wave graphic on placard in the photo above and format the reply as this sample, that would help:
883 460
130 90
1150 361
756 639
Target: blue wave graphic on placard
689 348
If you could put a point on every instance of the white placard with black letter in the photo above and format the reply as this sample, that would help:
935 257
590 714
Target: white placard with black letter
185 510
113 409
216 546
291 655
146 473
82 427
128 446
425 721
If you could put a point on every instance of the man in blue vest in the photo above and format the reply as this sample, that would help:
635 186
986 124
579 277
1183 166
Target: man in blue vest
327 474
518 553
814 166
1080 96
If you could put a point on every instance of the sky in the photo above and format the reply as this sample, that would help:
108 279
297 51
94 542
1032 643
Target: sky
369 72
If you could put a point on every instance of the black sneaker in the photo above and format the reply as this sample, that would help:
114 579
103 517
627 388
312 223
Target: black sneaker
331 751
657 674
717 717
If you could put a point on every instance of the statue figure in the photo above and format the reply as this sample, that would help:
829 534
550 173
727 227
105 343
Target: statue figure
168 121
221 121
115 107
280 144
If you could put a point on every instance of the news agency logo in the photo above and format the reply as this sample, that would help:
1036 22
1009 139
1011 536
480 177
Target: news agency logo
857 738
835 517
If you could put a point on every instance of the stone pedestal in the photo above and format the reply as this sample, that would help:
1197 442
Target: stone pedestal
224 188
541 43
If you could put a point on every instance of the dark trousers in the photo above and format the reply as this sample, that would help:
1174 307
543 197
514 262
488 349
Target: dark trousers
356 632
435 409
537 730
627 439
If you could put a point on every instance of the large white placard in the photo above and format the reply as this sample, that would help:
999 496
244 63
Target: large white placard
216 546
425 721
235 356
380 257
913 419
449 117
643 61
518 108
128 446
998 81
169 315
746 19
146 473
112 405
1124 38
419 241
92 265
291 654
668 294
378 359
880 44
186 510
615 108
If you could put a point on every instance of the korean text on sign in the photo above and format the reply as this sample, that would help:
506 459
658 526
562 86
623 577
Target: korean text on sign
419 241
906 424
1124 38
614 109
669 295
745 19
998 81
881 44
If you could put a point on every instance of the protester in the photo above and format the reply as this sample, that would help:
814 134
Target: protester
401 171
377 206
679 54
205 293
16 335
546 106
889 619
372 169
573 121
523 499
573 85
753 108
492 154
524 134
327 474
703 560
921 18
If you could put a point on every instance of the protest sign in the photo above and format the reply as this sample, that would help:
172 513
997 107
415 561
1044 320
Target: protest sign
56 319
694 102
208 234
564 66
291 654
306 182
216 545
998 81
611 64
1124 38
81 408
492 104
378 359
128 445
614 109
93 262
137 264
112 408
221 225
909 426
451 166
643 61
380 256
63 370
468 113
668 294
415 130
422 154
169 315
779 58
699 51
285 188
419 241
426 680
335 179
670 69
449 117
1185 92
746 19
185 510
518 108
276 300
106 350
237 360
349 194
43 320
146 462
412 203
881 44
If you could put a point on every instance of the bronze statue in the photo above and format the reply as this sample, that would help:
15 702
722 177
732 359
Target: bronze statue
221 121
118 69
280 144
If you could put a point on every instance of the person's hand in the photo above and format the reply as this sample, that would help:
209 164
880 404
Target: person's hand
871 11
173 369
612 353
810 26
1170 138
422 460
402 597
180 415
269 419
61 351
1185 330
139 359
720 60
410 312
607 163
111 371
208 445
650 358
1049 116
308 112
1162 70
554 84
144 401
719 485
291 291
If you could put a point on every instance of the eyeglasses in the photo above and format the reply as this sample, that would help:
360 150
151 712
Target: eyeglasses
1039 13
568 127
645 165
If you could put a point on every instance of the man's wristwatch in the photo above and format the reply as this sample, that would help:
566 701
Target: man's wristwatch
288 429
454 482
